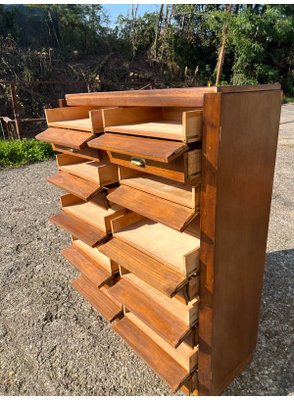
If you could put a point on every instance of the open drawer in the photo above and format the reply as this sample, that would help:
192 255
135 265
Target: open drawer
158 274
179 251
170 203
100 299
77 118
170 317
166 158
95 254
85 220
65 137
101 173
90 213
95 266
84 178
174 366
164 123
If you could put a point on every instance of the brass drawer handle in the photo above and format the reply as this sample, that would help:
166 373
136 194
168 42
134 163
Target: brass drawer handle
139 162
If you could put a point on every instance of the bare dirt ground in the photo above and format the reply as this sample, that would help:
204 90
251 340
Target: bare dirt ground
53 343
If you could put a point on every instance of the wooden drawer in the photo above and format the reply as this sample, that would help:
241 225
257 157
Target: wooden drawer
169 159
95 254
74 185
95 266
67 138
165 123
101 173
85 220
170 203
185 195
174 366
179 251
155 272
131 288
85 179
72 127
76 118
90 213
100 299
85 152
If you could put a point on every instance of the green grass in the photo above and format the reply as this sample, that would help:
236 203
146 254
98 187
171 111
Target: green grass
15 153
288 99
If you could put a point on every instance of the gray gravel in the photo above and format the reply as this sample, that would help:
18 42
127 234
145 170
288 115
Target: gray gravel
53 343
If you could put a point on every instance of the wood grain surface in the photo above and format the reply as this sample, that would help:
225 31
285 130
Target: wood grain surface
153 314
161 362
152 149
100 300
93 271
155 208
179 97
239 150
78 228
65 137
164 278
79 187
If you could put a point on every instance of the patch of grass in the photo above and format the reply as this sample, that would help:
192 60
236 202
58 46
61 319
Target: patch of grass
21 152
288 99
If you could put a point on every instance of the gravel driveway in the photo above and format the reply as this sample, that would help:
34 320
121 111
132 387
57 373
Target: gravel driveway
53 343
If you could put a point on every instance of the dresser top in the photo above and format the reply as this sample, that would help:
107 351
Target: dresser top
175 97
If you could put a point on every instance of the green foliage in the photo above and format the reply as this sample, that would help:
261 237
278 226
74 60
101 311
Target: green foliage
22 152
176 44
262 39
77 27
138 33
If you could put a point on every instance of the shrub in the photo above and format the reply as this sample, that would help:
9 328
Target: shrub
22 152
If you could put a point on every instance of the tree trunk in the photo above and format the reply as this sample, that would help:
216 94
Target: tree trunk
221 55
158 28
134 33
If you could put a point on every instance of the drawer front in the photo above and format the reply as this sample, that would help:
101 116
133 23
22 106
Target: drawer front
65 137
185 168
86 152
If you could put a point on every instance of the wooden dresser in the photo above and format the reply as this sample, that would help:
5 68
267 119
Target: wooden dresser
167 200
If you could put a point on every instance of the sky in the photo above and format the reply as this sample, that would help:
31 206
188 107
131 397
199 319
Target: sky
115 9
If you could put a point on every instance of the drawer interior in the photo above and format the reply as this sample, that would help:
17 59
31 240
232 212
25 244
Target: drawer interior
100 173
76 118
96 256
89 212
79 254
166 123
163 277
179 250
182 194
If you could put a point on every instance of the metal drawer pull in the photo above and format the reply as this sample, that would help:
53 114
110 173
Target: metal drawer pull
139 162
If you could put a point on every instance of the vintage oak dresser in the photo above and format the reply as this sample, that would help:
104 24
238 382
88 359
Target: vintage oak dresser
167 200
